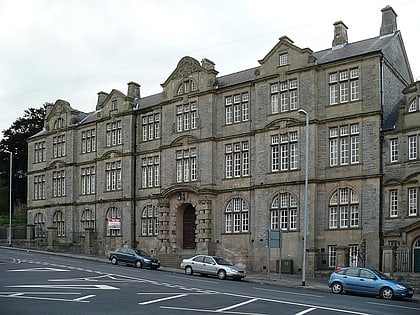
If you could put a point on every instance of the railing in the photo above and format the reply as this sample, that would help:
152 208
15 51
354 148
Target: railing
403 257
321 261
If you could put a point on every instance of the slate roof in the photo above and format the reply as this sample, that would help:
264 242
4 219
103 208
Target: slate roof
355 49
363 47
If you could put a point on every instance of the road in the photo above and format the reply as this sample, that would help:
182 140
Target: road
41 283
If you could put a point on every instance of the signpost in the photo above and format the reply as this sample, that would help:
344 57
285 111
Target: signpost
274 240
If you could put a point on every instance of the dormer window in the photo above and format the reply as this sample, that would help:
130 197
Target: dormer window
284 59
114 105
413 106
187 86
59 123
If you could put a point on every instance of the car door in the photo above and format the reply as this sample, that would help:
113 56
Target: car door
209 266
122 255
368 281
197 264
130 256
351 279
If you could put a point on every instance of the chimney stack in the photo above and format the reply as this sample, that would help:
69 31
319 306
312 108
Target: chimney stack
207 64
340 35
389 21
101 99
133 90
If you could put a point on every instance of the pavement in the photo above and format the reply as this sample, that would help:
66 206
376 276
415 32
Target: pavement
286 280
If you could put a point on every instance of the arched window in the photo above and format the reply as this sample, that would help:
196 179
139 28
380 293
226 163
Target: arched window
87 221
59 223
344 209
39 223
149 221
413 106
59 123
283 212
237 216
186 86
113 220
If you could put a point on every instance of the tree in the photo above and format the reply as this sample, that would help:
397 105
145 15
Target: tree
14 140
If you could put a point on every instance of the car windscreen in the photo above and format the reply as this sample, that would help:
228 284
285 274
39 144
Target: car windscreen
381 275
221 261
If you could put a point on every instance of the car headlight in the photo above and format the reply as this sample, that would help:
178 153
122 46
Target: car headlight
401 287
147 260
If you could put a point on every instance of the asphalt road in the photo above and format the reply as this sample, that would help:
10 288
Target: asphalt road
41 283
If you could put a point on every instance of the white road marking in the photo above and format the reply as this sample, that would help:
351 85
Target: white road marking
83 298
288 292
236 305
72 286
21 295
163 299
300 304
306 311
38 269
396 306
197 310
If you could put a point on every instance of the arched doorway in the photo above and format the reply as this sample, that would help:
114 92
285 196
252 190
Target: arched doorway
416 255
188 236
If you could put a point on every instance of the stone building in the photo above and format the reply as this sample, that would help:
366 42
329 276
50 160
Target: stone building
212 163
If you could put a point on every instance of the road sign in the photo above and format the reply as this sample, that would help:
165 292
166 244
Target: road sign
274 238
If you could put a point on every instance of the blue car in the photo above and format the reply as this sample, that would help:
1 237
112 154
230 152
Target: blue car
367 281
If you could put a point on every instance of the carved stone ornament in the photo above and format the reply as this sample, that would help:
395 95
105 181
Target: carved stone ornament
185 68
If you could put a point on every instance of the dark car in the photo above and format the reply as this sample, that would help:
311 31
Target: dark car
211 265
367 281
133 256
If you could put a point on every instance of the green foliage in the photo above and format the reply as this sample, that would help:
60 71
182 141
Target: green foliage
4 220
14 140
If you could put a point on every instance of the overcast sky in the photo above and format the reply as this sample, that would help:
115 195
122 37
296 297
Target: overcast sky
73 49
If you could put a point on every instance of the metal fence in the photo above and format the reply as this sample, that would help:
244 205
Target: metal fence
402 257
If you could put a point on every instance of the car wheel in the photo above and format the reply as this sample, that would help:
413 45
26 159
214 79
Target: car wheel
337 288
114 260
387 293
221 274
188 270
139 264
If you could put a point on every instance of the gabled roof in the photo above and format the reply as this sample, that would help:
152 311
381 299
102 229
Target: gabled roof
363 47
355 49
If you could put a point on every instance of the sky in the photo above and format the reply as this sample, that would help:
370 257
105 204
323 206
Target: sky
73 49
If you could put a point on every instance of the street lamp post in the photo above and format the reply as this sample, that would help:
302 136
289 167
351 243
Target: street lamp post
305 216
10 197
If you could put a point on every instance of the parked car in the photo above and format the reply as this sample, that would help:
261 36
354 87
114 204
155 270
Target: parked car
211 265
367 281
133 256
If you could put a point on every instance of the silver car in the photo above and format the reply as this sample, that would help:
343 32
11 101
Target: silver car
211 265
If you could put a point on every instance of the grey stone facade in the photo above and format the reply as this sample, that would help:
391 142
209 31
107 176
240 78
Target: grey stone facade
162 179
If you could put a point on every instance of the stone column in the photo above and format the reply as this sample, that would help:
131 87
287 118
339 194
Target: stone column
342 256
30 232
163 226
388 259
311 261
52 236
90 243
203 227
